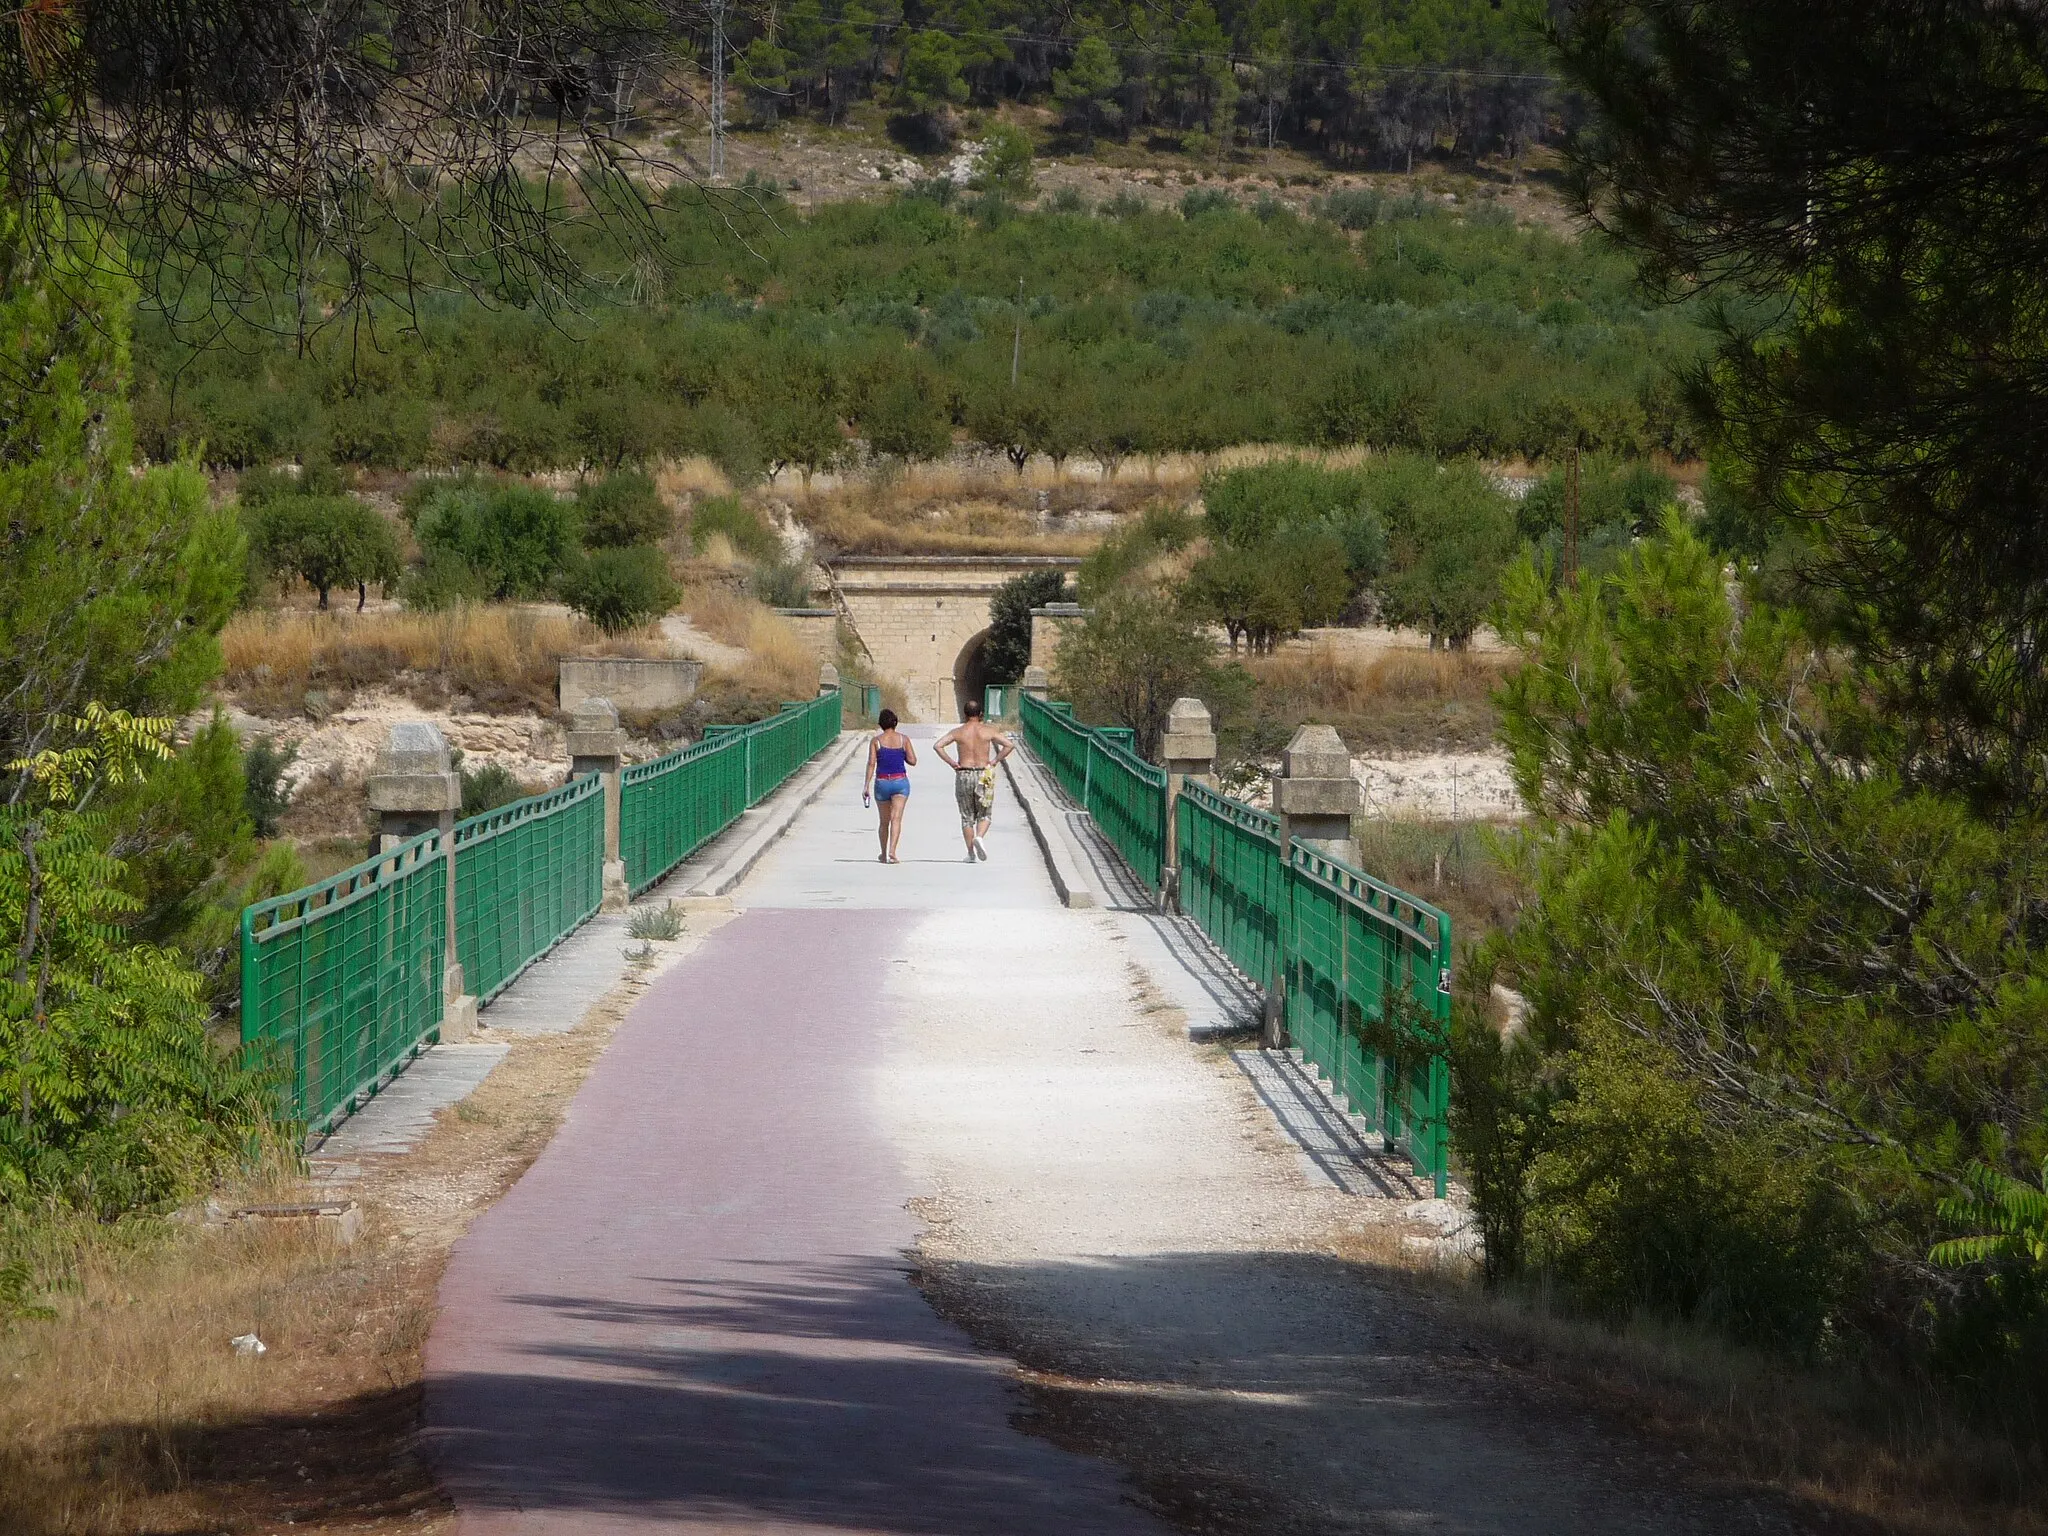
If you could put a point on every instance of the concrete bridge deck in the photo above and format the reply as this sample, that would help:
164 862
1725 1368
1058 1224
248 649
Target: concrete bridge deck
697 1311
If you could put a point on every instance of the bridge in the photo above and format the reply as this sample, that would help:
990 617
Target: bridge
691 1310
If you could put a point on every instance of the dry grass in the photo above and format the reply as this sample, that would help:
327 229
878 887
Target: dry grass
693 476
130 1411
955 513
1392 701
500 656
1869 1452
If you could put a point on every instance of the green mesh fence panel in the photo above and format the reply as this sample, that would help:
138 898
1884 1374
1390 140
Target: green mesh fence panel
1099 767
671 807
1231 882
1365 967
341 981
526 876
1368 1000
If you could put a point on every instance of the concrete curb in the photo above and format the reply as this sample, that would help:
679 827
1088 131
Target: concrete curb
732 855
1043 812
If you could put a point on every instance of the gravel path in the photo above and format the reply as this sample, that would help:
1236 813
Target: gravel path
694 1312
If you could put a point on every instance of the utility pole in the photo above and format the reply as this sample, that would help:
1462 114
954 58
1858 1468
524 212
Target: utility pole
1017 342
1571 518
717 88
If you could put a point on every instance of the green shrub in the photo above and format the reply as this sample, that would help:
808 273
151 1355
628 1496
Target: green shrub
740 524
782 583
1206 200
487 788
324 541
621 510
517 538
1007 651
621 589
264 795
443 580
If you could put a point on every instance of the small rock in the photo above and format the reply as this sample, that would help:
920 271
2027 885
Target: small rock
248 1344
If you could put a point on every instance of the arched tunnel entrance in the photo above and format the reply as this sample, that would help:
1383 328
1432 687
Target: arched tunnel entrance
970 673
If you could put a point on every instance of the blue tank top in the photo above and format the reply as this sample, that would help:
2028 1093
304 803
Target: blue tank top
889 763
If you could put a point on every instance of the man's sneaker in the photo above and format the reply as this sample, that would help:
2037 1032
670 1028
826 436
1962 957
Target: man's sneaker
980 849
970 857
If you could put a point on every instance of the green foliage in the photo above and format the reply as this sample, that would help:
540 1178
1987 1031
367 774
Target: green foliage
1004 165
2014 1212
264 796
1132 552
1450 535
325 541
621 589
1271 589
664 922
113 586
487 788
518 539
444 580
1879 347
1007 650
738 522
1135 655
621 510
781 583
1085 92
113 1095
1782 998
1144 333
1248 506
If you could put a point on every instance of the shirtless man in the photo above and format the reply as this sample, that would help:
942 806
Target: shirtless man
977 748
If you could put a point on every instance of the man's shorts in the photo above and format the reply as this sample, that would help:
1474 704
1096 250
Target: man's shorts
974 791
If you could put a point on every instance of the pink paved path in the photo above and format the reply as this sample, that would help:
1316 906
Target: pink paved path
693 1311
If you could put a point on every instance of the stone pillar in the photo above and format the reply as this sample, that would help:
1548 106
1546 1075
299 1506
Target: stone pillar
1188 749
1037 683
414 790
597 745
1315 794
828 679
1315 797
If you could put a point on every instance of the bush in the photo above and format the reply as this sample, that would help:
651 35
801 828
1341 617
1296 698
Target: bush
443 580
621 589
1245 507
782 584
487 788
519 540
1206 200
264 795
325 541
1007 651
1451 535
742 526
621 510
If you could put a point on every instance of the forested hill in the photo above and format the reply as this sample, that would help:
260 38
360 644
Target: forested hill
1359 80
1399 322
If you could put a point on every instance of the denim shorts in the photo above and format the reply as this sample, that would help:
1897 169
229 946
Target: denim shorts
889 789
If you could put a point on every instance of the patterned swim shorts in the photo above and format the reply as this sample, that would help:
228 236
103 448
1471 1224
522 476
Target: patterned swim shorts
974 791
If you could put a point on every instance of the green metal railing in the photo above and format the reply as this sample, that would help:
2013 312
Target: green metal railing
671 807
1368 975
527 875
341 981
1101 769
1364 968
1231 882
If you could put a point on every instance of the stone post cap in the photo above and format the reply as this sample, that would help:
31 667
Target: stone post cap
595 714
1317 797
594 730
412 772
828 677
1317 752
413 746
1189 732
1036 680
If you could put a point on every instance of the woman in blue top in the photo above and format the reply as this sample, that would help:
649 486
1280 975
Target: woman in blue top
890 759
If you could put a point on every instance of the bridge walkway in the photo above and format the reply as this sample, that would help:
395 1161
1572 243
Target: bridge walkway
695 1310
